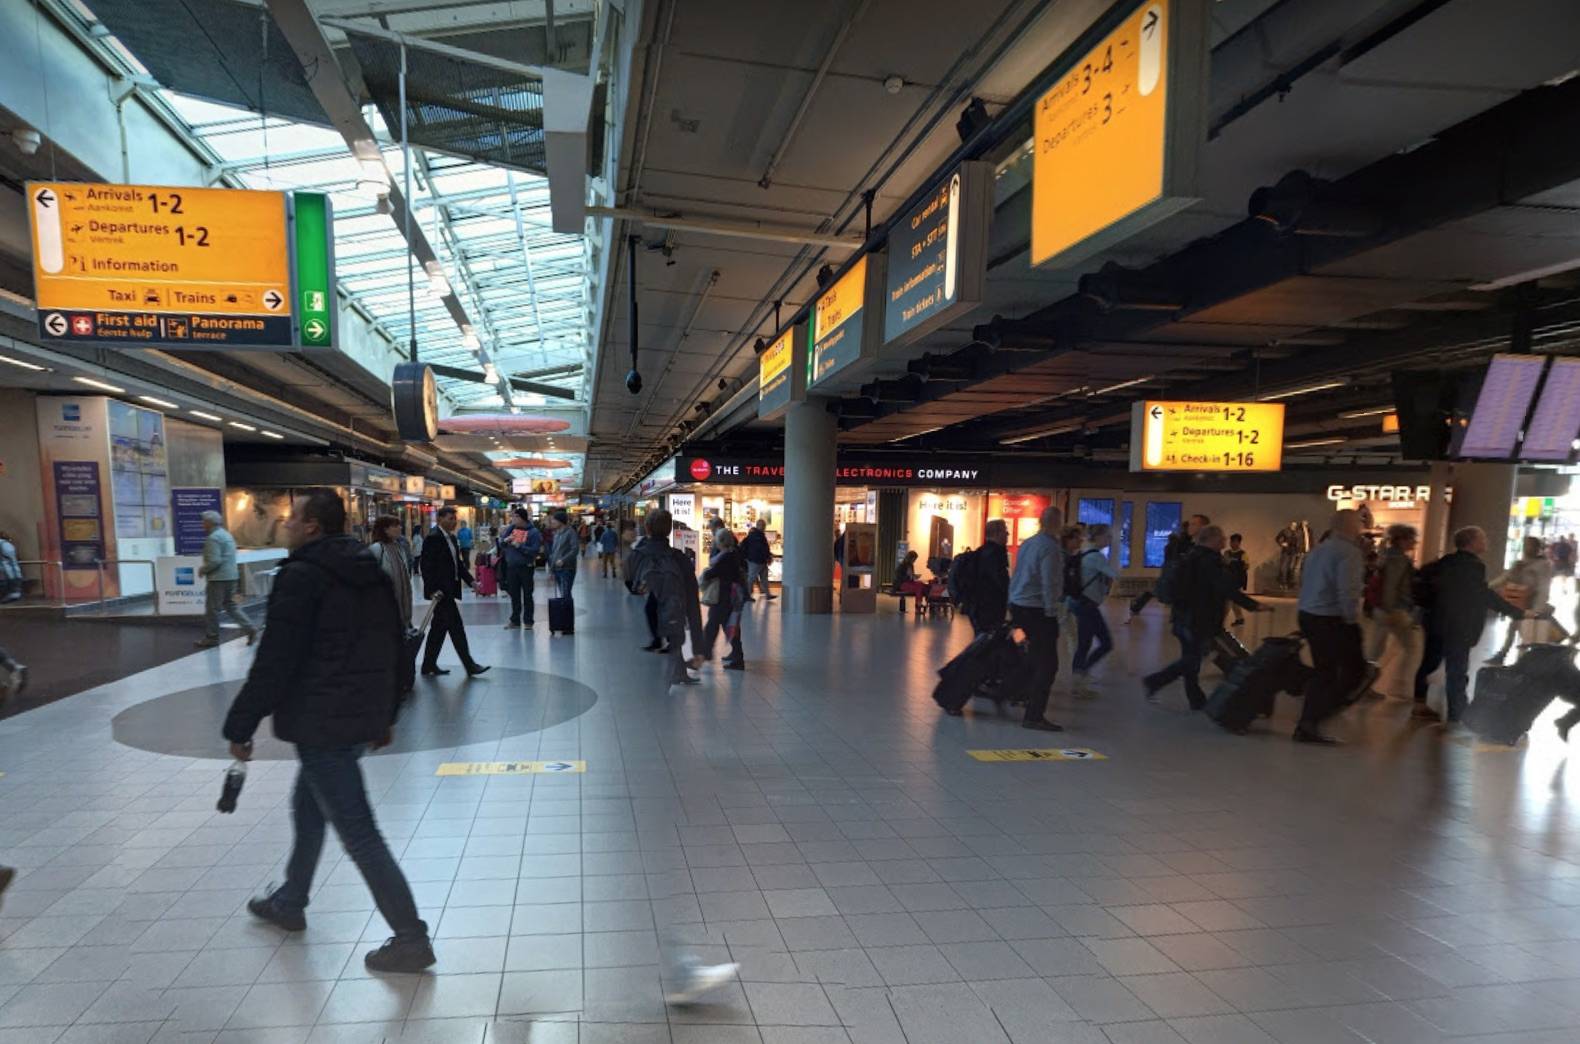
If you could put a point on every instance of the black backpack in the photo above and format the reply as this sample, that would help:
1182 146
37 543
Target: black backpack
1423 585
1073 588
1166 590
962 578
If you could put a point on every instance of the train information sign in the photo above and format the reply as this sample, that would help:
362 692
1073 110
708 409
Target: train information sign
1207 436
139 265
1115 139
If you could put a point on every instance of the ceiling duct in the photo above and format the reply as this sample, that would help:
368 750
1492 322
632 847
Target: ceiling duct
1117 288
1296 204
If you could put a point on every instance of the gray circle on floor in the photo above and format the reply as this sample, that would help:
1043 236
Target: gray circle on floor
441 713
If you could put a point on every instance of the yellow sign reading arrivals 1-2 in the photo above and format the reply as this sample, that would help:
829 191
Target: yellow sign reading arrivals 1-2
1099 135
1207 436
130 263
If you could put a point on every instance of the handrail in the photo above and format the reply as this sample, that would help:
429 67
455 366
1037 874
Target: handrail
60 568
153 577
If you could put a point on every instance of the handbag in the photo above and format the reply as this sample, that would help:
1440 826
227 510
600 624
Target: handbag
710 592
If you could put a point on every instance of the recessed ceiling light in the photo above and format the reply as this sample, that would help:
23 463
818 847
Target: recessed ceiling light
1303 391
99 384
159 402
243 427
271 434
19 362
205 416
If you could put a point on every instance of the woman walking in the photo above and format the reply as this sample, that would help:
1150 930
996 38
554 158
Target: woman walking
724 593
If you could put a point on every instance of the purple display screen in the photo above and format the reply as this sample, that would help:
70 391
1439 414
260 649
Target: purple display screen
1556 422
1500 411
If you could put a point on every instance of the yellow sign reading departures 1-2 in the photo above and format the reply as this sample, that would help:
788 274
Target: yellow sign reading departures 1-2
1100 135
1207 436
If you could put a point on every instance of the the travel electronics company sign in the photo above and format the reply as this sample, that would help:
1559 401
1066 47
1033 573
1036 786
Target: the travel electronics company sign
890 471
143 265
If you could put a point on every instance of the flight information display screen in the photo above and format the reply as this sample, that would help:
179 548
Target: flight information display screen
1501 406
1556 422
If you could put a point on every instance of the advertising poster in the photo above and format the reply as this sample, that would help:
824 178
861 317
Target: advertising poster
78 507
186 509
181 589
139 472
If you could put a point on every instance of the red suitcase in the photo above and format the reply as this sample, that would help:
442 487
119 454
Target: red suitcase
487 581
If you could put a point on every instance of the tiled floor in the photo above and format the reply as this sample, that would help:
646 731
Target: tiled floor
817 820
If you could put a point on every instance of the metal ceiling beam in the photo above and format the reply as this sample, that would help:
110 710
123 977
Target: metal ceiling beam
343 106
418 43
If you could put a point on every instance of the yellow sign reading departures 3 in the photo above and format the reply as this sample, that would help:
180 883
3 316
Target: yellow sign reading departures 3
1100 135
1207 436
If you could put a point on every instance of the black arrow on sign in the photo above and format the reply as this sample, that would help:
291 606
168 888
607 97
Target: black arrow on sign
1150 26
46 198
1157 413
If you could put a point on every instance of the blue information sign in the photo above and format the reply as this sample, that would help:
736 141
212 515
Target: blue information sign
187 505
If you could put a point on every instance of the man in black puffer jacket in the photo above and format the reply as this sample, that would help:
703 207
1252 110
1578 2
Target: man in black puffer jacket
328 671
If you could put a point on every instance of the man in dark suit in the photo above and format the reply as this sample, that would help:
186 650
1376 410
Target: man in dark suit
444 576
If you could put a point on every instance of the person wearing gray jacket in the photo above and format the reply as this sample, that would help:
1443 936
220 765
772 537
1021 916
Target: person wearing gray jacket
563 552
221 575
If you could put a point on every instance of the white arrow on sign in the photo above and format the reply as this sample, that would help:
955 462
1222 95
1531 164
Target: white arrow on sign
314 328
55 324
272 300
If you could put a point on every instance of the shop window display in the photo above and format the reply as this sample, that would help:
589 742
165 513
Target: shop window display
1127 513
1163 518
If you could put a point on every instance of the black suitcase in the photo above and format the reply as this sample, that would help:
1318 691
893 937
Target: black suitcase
986 668
1508 701
1247 692
562 616
1227 651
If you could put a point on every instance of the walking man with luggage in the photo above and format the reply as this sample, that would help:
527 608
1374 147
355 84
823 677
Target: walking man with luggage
758 554
563 552
666 574
1180 541
1092 575
444 577
1202 590
221 575
1457 611
988 579
327 673
1331 584
1034 594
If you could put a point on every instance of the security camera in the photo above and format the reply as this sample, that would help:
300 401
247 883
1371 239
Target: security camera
382 205
633 382
27 140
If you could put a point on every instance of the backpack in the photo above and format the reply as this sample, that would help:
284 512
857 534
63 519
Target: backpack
1423 586
1166 590
1073 587
962 577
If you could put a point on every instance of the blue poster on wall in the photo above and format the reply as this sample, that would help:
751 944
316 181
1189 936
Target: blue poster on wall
187 505
81 517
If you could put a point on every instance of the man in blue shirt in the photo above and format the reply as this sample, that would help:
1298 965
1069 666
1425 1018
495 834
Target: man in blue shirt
1034 594
519 545
1332 579
221 576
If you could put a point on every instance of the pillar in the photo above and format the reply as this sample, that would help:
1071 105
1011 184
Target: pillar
1483 494
809 509
1434 533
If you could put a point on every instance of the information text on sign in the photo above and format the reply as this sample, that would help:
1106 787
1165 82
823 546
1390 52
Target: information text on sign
1207 436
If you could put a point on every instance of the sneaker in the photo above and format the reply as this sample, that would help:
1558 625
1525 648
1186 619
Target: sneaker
205 643
401 955
512 627
734 665
700 980
265 908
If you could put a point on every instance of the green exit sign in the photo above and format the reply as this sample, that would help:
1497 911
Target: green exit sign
314 271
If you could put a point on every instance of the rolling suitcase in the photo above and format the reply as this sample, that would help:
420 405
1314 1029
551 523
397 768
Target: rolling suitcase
1508 701
562 616
1227 651
980 669
487 581
414 638
1248 690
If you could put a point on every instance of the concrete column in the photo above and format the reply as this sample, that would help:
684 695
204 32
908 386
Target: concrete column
1483 494
809 509
1434 533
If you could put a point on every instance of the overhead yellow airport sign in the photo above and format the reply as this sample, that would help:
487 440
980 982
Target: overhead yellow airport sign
1207 436
1039 754
139 265
1115 139
844 330
781 372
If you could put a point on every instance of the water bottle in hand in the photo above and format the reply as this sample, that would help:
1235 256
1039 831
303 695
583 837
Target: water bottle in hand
235 776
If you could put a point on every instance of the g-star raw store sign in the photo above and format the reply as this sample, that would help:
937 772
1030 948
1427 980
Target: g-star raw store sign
1390 493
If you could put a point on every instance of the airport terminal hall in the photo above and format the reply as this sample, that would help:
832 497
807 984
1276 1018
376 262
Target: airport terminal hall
789 522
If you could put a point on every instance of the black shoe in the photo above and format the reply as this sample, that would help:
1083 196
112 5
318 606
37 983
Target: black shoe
1563 725
1308 735
735 665
956 713
653 646
512 626
662 650
264 908
476 669
1041 725
252 637
1148 693
7 875
687 680
771 597
401 955
434 671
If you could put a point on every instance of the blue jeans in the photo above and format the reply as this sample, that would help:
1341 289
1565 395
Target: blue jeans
329 787
563 579
1454 657
519 581
1090 627
1188 667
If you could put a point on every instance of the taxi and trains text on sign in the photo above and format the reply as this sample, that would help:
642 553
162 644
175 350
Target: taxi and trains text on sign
1207 436
139 265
